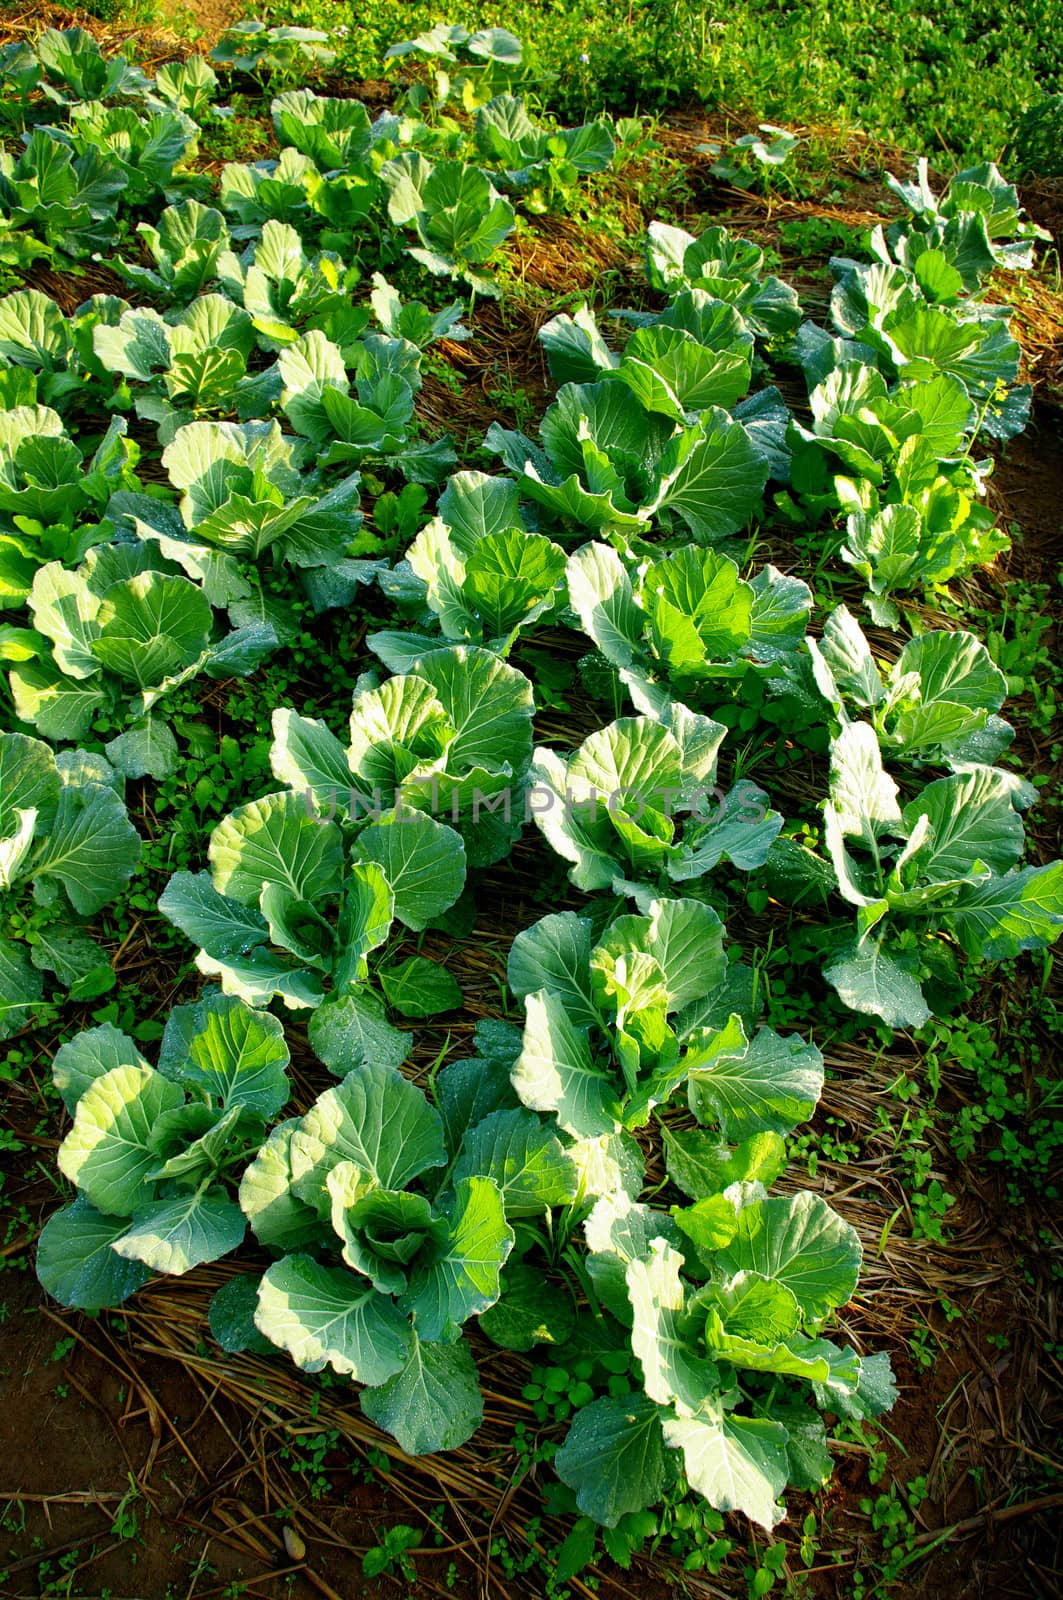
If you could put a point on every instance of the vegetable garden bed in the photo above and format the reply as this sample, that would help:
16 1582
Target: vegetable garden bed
526 965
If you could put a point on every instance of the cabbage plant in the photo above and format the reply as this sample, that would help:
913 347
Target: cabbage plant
460 219
937 704
254 47
66 839
334 206
483 576
186 363
697 354
46 486
908 483
75 68
121 630
933 877
154 1151
606 462
337 135
148 152
287 291
185 249
305 883
57 203
637 808
724 1298
726 268
187 86
392 1219
975 223
528 156
689 618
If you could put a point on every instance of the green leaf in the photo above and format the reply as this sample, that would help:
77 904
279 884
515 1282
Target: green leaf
754 1308
173 1236
423 861
192 1141
149 750
434 1403
576 1551
468 1090
957 686
20 988
576 352
278 1218
88 1056
972 820
463 1277
76 960
685 939
891 550
671 372
59 707
108 1153
308 757
556 1072
511 579
232 1316
708 1225
530 1310
366 912
375 1118
601 595
766 1085
523 1158
876 1390
325 1316
555 954
868 979
742 830
1014 912
29 781
222 927
382 1230
613 1457
351 1031
673 1369
701 1164
275 841
607 805
488 703
737 1463
712 476
850 667
77 1264
91 847
151 627
234 1053
418 987
798 1241
700 609
474 505
862 795
396 727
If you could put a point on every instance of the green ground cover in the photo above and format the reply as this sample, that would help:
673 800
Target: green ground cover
952 79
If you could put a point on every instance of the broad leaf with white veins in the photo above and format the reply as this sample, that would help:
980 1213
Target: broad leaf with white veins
798 1241
461 1276
555 1071
434 1403
327 1316
613 1457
